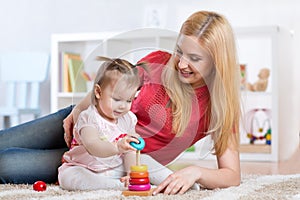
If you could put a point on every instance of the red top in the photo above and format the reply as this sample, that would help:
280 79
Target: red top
155 115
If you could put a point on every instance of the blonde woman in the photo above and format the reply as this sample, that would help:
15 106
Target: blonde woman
187 95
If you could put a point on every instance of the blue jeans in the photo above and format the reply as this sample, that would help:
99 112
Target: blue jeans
32 151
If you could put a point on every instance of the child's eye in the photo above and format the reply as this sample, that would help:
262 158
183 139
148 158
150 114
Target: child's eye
116 99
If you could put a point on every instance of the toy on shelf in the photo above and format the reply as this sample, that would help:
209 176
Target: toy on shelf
258 131
262 83
243 76
139 182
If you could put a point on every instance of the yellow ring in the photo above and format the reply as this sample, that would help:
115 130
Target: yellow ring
139 168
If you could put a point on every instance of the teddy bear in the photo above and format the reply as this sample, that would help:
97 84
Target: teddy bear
262 82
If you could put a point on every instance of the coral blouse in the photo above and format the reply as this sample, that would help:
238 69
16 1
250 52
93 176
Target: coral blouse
155 115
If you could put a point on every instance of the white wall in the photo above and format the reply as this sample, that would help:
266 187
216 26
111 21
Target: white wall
27 25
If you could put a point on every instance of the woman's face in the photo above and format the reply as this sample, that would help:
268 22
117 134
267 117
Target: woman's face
193 63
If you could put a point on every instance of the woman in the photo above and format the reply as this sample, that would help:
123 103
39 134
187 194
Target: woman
188 95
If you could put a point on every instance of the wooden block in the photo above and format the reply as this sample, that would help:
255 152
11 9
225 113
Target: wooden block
138 193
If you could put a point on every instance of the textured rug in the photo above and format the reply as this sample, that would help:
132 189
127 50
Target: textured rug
252 187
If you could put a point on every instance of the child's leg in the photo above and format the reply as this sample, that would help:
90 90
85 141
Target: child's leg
157 172
80 178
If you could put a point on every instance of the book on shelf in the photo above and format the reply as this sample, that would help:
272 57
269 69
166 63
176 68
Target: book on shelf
77 82
65 76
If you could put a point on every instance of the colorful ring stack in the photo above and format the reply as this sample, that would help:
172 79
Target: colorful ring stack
139 178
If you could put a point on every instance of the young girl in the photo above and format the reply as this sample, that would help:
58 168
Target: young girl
100 152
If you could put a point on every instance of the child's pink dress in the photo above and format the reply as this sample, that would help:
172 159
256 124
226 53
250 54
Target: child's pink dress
108 131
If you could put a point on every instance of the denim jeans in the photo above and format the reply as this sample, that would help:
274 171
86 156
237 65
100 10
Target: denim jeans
32 151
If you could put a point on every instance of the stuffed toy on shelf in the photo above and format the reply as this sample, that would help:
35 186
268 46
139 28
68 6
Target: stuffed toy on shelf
262 83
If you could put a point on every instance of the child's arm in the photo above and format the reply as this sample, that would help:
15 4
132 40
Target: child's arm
99 147
129 160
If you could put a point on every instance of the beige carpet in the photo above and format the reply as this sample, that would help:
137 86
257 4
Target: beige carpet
252 187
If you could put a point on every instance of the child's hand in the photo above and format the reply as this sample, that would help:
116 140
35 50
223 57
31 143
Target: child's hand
123 144
125 180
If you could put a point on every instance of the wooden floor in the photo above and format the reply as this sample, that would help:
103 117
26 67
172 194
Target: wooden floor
291 166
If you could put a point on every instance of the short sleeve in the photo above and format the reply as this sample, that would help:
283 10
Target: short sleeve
89 118
152 60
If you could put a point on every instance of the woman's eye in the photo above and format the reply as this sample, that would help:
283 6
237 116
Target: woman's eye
178 52
195 58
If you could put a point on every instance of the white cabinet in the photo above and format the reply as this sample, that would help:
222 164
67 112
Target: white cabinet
131 45
258 47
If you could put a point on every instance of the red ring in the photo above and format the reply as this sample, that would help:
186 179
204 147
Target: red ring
138 181
139 174
144 187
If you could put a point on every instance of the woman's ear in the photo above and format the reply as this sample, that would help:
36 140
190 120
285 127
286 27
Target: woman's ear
97 91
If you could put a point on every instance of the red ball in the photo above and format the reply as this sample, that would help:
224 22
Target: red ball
39 186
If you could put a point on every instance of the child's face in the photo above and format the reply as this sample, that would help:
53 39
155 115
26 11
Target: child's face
115 100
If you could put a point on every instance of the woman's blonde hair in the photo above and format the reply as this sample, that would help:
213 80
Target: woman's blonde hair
114 70
215 35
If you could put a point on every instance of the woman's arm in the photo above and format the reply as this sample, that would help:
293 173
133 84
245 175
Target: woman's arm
70 120
228 174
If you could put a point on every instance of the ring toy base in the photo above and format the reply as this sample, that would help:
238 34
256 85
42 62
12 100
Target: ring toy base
138 193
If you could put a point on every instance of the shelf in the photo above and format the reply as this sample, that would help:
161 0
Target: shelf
255 148
70 94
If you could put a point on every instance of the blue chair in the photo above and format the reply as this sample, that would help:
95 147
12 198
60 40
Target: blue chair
22 73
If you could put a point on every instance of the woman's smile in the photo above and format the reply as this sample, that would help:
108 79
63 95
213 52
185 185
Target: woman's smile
185 74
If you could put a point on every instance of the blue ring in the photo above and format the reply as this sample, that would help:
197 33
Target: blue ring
139 146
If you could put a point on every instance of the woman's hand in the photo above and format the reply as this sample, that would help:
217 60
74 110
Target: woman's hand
68 125
178 182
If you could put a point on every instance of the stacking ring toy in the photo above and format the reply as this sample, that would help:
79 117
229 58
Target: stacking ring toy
139 174
139 146
139 168
139 187
139 181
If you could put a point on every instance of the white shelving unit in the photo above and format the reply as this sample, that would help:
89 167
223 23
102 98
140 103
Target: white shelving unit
257 48
131 45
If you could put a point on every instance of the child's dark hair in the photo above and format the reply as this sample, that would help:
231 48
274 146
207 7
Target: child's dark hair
114 69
